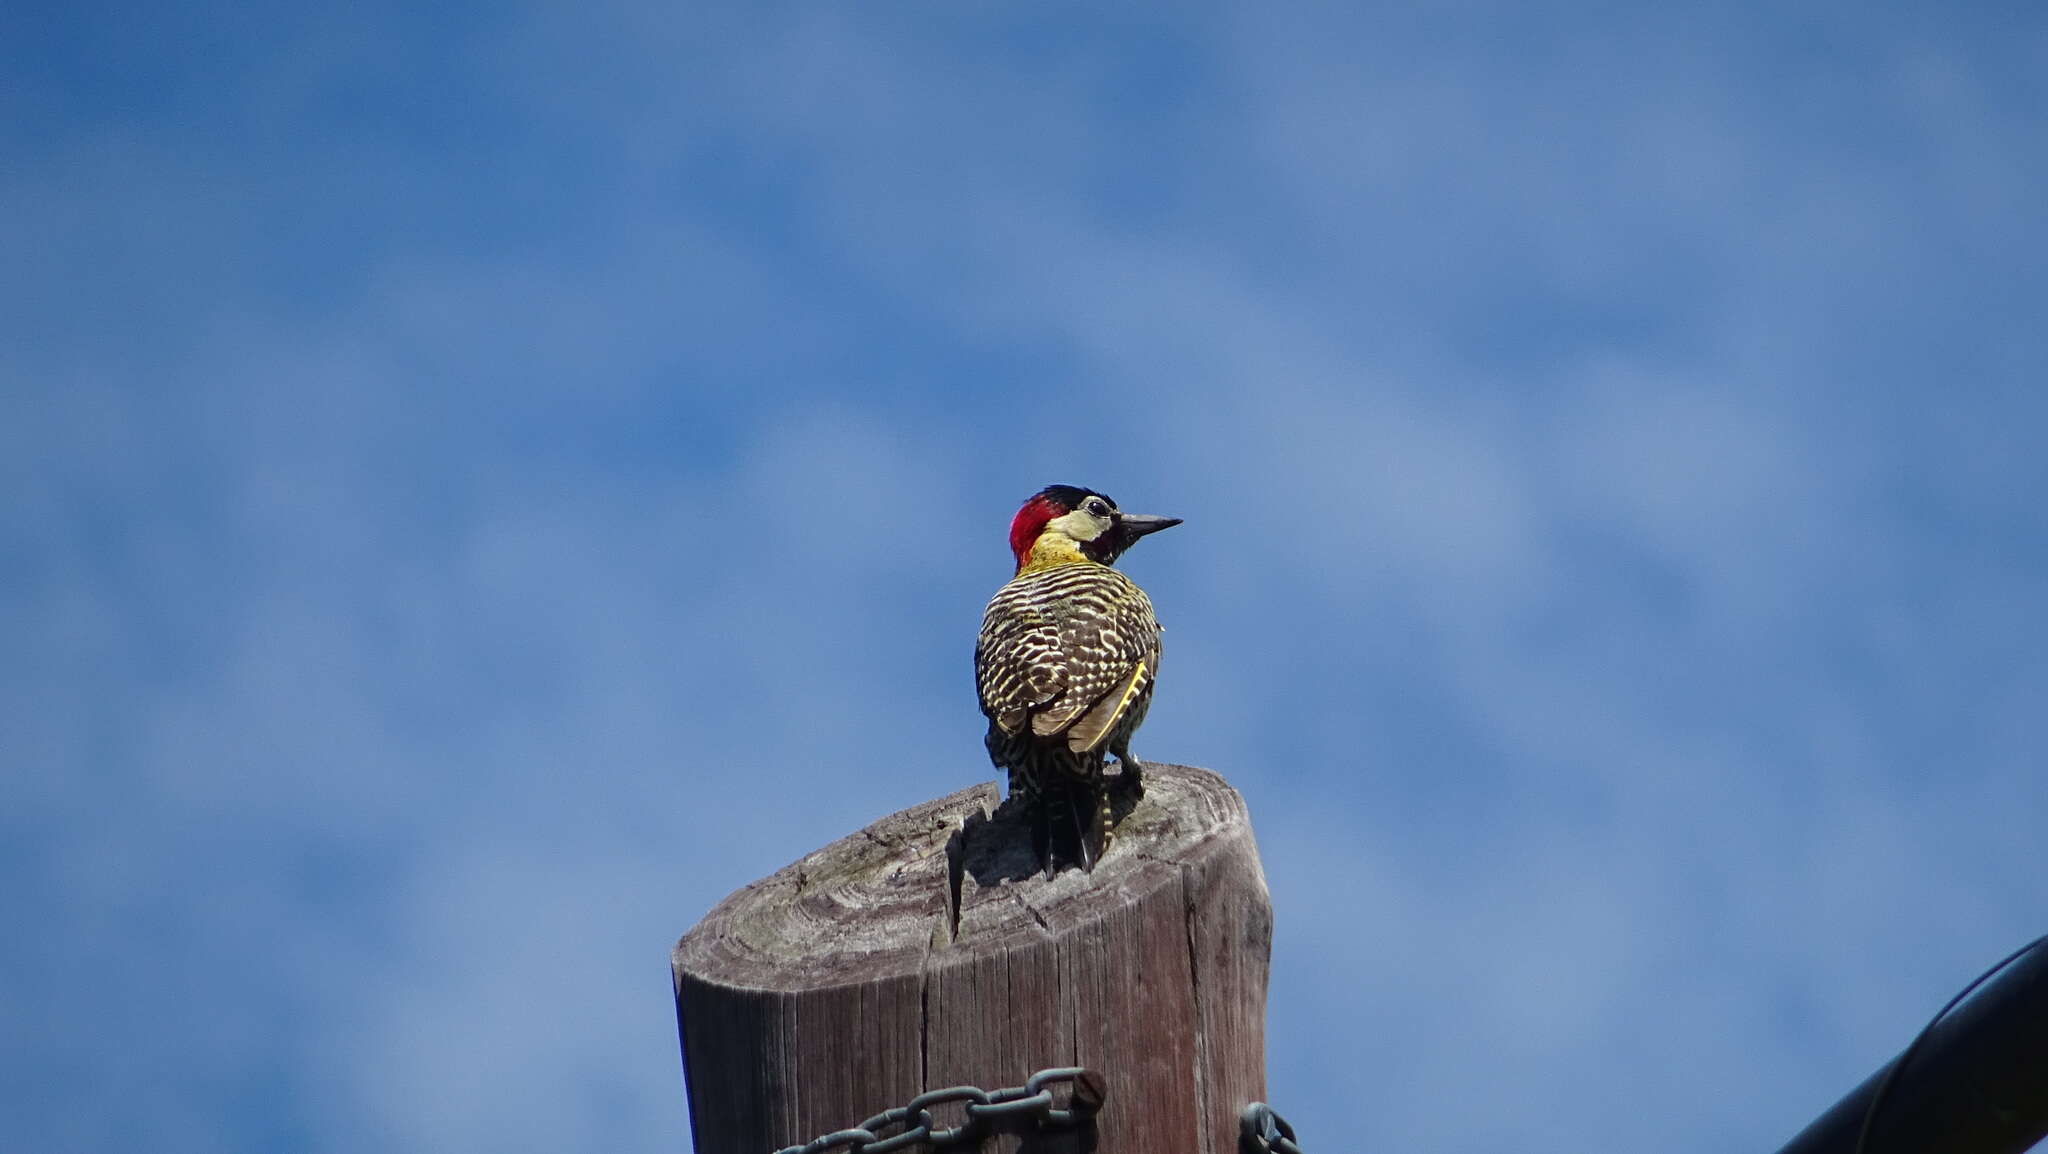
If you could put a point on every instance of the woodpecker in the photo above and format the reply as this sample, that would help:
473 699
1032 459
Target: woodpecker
1065 663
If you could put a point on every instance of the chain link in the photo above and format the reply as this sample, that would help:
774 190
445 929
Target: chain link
1261 1130
1016 1107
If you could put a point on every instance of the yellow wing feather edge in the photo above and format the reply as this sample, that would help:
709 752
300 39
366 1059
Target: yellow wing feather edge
1104 723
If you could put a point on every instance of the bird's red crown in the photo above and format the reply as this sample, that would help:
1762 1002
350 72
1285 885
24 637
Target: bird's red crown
1044 505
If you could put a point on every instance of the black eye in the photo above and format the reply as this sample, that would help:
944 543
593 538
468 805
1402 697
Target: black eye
1098 508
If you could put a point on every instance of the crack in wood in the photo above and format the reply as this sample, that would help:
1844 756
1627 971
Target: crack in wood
1031 909
1189 917
956 874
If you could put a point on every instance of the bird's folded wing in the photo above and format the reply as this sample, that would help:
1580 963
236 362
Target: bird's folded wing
1094 727
1018 666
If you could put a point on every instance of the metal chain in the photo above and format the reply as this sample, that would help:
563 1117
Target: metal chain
1261 1130
1017 1107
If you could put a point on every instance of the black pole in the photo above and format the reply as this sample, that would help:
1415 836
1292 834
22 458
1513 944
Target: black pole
1976 1082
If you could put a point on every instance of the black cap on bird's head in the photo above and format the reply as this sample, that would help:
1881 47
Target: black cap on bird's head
1090 519
1068 498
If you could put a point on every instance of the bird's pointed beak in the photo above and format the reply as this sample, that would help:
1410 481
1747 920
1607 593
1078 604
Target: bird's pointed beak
1136 525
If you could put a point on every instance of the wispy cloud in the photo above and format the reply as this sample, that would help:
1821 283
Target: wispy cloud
486 491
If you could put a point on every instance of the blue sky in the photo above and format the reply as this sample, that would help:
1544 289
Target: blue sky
483 483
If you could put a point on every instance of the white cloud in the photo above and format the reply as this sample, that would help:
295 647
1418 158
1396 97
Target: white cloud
1568 578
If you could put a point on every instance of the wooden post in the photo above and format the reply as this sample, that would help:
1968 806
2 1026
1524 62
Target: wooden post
928 951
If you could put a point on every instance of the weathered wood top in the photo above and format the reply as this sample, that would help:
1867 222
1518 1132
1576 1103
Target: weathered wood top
929 950
879 903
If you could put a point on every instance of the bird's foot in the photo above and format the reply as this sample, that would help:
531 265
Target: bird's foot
1129 782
